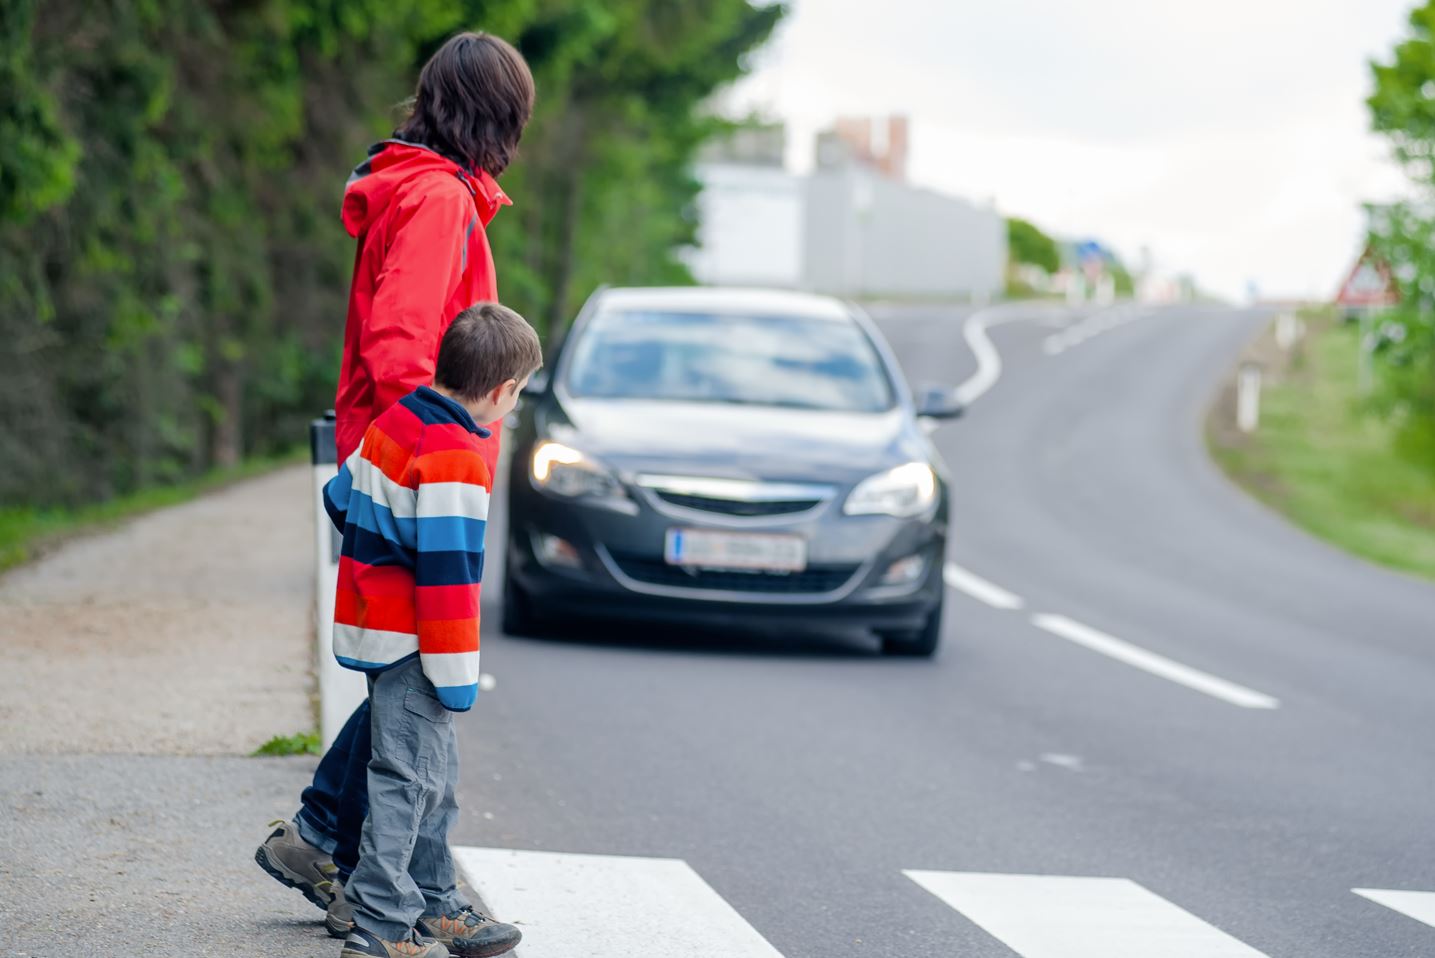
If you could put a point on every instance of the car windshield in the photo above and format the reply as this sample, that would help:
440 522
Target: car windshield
792 361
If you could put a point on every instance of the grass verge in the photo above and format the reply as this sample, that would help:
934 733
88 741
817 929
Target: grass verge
26 532
300 743
1325 463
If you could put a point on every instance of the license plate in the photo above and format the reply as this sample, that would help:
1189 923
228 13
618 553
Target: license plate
736 550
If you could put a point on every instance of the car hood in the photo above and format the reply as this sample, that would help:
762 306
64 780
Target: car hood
735 441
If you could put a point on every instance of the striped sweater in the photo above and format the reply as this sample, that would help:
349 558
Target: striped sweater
412 502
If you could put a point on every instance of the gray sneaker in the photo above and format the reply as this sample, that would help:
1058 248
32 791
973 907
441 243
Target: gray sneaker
363 944
339 916
294 862
471 934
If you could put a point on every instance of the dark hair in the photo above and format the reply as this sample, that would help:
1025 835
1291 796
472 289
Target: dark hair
474 98
484 347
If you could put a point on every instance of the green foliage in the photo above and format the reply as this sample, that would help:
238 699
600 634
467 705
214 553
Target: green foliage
1026 243
173 275
300 743
1402 107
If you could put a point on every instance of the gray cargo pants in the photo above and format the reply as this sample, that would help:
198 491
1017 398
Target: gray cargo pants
405 869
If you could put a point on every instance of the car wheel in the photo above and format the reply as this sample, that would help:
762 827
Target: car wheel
518 615
915 642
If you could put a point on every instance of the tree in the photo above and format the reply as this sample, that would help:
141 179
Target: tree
1028 244
173 274
1402 106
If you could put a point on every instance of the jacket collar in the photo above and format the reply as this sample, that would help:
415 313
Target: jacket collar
438 400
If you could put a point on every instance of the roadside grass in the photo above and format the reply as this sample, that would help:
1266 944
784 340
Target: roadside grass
300 743
27 532
1328 464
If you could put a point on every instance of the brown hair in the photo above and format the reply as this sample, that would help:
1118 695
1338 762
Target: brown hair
475 96
484 347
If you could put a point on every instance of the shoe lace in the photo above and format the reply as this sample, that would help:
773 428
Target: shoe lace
467 917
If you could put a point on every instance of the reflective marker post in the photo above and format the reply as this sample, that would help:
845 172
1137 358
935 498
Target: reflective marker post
340 689
1248 397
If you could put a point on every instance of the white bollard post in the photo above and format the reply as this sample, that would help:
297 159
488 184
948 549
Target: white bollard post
1287 331
340 689
1106 290
1248 397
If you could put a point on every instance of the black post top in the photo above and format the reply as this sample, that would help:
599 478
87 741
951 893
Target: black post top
321 441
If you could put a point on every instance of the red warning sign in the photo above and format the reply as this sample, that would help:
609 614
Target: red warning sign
1370 283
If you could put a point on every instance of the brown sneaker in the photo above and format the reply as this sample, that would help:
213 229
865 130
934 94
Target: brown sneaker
294 862
471 934
339 916
363 944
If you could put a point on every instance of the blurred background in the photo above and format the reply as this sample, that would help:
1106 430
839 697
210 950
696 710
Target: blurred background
1091 373
174 274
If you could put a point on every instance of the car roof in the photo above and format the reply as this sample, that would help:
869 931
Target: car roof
690 299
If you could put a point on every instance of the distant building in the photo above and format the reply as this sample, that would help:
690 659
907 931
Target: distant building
878 144
852 227
751 226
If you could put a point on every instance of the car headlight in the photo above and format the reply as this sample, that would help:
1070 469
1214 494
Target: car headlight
564 471
907 490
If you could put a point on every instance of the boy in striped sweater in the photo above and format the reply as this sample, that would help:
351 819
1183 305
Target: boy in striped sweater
413 503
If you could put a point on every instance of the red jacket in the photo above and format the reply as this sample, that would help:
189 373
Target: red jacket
423 258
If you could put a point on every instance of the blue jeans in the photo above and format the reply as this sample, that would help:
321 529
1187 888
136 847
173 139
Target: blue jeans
333 808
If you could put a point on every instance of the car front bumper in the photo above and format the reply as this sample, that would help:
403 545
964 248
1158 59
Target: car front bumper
617 568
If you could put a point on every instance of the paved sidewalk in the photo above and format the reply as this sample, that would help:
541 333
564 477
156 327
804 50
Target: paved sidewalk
120 855
142 666
187 631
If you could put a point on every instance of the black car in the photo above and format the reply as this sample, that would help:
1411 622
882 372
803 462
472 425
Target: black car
727 456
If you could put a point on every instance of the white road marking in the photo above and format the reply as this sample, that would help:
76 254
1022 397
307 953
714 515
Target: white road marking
989 361
979 588
1043 916
1093 325
486 682
1071 763
608 906
1158 665
1419 905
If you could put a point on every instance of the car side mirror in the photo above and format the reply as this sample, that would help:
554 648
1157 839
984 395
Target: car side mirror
939 402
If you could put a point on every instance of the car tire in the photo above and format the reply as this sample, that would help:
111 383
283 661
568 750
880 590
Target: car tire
518 616
920 642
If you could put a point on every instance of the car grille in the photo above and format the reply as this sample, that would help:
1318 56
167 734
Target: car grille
737 507
813 580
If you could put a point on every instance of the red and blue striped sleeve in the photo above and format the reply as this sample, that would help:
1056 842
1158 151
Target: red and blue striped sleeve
453 492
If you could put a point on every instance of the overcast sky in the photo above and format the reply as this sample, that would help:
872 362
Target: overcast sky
1229 136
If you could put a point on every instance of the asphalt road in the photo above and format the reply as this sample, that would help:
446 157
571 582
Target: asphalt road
1173 687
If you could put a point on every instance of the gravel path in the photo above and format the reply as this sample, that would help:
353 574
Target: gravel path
187 631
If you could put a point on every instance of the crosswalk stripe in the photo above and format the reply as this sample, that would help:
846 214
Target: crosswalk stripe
608 906
1419 905
1045 916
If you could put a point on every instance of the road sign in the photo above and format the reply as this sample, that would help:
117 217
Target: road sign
1368 284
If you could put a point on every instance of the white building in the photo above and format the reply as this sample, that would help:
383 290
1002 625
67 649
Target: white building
845 229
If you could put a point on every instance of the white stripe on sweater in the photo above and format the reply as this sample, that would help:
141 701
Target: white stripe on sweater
373 645
452 499
370 480
451 668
